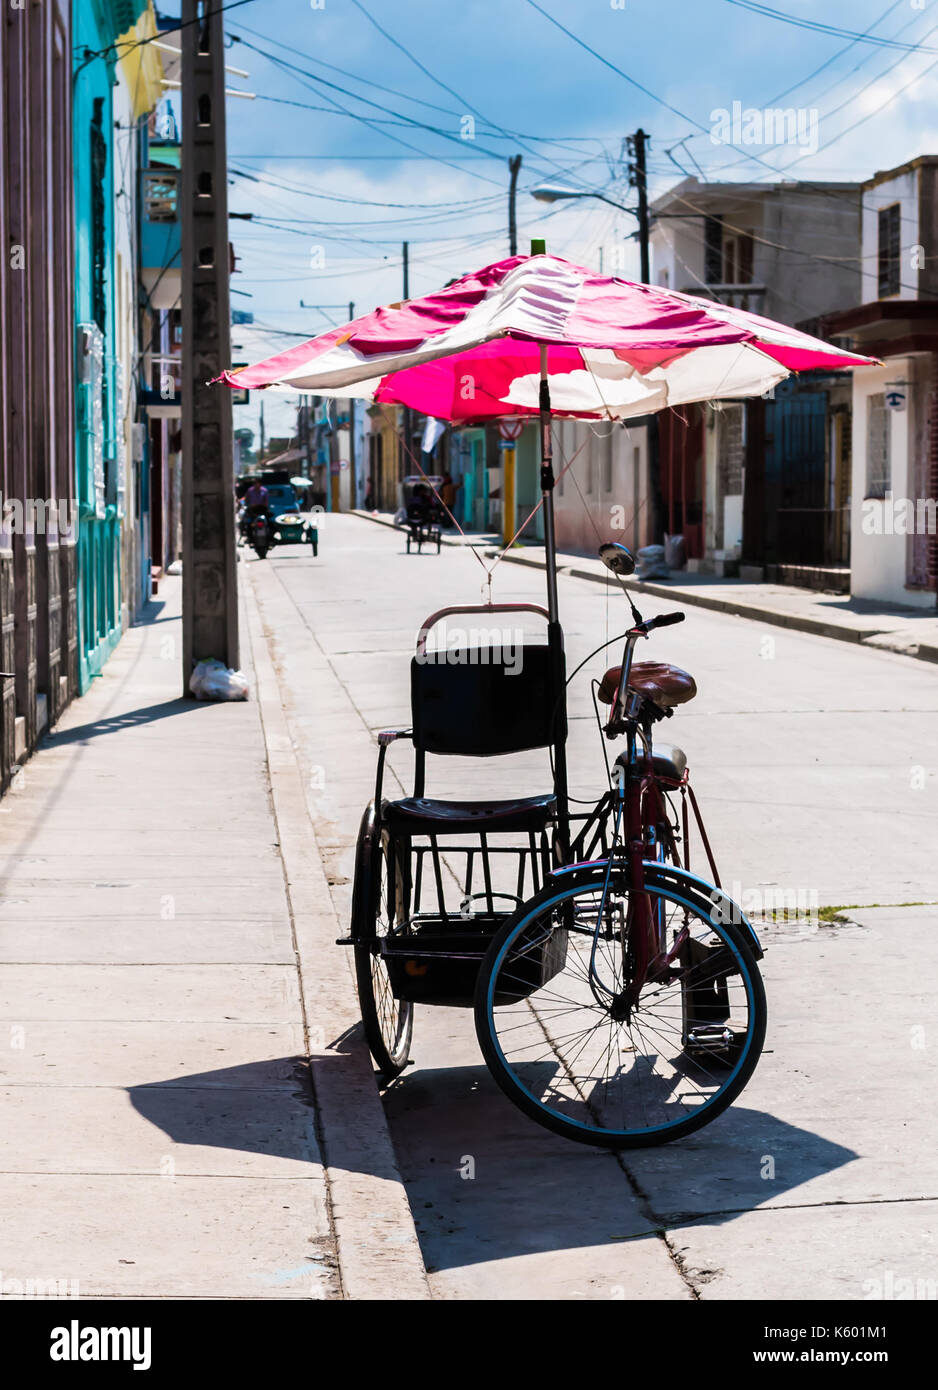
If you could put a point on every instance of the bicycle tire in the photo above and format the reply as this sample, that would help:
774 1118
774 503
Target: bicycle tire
571 1105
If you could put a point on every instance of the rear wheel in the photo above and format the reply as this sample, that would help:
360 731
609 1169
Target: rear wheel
379 906
566 1044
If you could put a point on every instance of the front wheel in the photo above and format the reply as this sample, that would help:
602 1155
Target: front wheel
570 1046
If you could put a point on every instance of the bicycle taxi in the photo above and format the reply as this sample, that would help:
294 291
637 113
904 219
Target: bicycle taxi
616 992
421 512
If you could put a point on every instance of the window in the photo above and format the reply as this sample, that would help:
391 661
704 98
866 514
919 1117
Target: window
878 462
161 195
98 249
713 250
737 259
605 453
889 250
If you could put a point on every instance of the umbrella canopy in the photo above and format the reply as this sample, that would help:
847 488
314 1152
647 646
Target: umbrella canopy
615 349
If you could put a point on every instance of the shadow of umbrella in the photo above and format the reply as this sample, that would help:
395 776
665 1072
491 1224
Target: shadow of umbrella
258 1108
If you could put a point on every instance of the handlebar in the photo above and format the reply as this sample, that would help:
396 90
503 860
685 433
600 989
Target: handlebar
666 620
641 629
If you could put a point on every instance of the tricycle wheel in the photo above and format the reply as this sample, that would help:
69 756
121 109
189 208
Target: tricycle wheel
378 906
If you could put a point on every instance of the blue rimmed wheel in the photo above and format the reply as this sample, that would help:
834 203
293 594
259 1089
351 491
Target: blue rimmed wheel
569 1043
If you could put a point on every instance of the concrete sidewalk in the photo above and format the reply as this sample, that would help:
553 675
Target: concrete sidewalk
159 1136
895 628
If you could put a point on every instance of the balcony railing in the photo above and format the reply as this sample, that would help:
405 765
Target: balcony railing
748 297
161 195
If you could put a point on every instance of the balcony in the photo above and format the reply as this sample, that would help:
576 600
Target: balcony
160 236
749 297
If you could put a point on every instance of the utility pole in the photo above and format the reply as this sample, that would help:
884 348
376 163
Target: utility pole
209 576
408 413
638 179
514 167
353 489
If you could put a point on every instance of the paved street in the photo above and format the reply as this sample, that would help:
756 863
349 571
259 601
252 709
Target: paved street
816 763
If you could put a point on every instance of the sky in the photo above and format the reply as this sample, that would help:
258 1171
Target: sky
379 121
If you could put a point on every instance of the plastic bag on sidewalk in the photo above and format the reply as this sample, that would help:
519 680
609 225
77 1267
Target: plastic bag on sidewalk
213 680
651 563
674 552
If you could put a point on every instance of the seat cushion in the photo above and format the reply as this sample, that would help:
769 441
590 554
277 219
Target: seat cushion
669 761
420 815
659 682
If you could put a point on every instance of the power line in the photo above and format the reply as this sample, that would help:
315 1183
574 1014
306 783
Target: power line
154 38
519 139
421 101
631 80
817 26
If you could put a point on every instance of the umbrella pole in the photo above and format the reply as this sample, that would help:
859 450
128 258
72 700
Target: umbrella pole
547 490
554 630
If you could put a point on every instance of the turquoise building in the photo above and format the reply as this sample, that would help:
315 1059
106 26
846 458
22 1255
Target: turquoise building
101 322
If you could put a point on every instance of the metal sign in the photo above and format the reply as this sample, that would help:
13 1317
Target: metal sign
510 429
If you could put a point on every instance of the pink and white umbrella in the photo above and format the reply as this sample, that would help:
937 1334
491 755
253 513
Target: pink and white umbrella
614 350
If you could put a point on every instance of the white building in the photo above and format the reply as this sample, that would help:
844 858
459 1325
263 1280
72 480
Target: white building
895 406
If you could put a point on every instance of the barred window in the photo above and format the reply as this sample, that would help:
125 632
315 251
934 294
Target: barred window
889 251
878 462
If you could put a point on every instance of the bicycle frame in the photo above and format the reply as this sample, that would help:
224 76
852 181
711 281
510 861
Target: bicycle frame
638 812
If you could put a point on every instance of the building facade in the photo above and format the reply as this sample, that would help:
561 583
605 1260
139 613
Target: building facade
763 483
38 617
894 482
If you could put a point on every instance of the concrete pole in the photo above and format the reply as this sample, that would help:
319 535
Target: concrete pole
210 603
514 166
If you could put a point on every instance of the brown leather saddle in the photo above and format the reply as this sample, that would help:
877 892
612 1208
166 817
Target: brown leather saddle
665 685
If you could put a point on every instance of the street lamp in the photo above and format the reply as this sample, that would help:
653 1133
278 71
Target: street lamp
554 192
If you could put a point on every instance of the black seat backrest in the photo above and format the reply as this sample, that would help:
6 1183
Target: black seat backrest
483 701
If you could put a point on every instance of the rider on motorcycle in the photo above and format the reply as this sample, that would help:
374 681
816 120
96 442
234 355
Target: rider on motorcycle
257 499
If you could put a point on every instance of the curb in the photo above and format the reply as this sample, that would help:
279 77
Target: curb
874 637
871 637
377 1248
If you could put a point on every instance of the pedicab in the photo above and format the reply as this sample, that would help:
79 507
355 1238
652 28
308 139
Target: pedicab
616 991
421 511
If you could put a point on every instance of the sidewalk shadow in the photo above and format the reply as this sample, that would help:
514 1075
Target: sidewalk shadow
131 719
534 1192
256 1107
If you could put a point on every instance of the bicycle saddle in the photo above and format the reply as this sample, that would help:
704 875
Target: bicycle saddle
664 685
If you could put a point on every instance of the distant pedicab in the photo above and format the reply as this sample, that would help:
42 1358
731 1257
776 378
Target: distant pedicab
421 513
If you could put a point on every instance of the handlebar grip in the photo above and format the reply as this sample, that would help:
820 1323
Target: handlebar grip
666 620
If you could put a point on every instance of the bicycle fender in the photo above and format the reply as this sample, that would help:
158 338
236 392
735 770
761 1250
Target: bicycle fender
723 908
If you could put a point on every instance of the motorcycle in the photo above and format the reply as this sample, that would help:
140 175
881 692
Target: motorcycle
260 534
